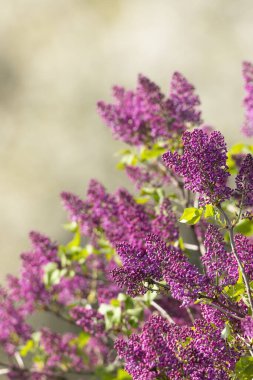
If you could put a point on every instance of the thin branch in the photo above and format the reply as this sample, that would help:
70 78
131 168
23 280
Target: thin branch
162 312
59 375
223 308
19 360
58 314
160 285
224 311
240 265
189 312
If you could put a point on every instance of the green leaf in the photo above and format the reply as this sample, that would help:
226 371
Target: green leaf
76 241
244 368
83 339
245 227
72 227
237 149
52 274
112 315
128 158
48 271
181 243
157 194
236 291
122 375
141 200
28 347
209 211
149 297
122 297
129 303
226 332
136 312
147 154
191 215
55 277
115 302
36 336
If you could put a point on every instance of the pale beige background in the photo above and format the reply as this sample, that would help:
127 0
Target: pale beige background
58 57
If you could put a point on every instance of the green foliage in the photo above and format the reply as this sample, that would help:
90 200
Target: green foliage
245 227
81 340
147 154
127 158
209 211
236 292
227 332
234 150
244 368
52 274
26 348
30 345
154 193
112 315
191 215
122 375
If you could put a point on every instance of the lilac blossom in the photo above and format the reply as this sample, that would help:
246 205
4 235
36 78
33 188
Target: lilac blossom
184 279
80 212
244 249
150 354
71 289
216 258
220 264
116 215
133 218
165 223
59 350
141 116
247 326
139 176
177 352
244 182
13 328
29 288
155 262
136 268
207 356
184 100
89 319
202 165
247 127
106 293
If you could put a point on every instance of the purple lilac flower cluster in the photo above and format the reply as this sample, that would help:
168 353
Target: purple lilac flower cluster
244 182
156 262
202 165
29 288
141 116
90 320
119 216
138 292
168 351
247 127
13 328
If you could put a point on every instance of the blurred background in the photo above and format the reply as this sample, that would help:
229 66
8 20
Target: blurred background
57 58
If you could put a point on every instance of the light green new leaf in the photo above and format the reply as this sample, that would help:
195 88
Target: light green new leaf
209 211
122 375
236 291
226 332
28 347
191 215
244 368
245 227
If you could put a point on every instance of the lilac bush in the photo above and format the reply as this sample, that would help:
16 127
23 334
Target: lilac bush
152 285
